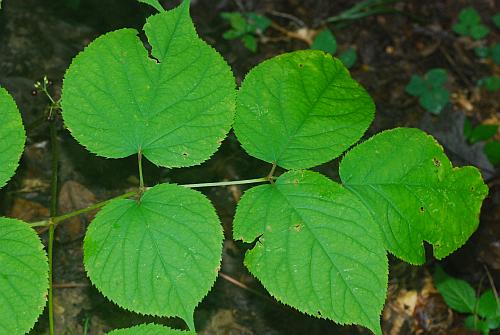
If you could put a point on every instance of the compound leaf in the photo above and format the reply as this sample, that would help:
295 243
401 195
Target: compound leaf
409 185
12 137
175 109
23 277
150 329
318 249
301 109
458 294
159 255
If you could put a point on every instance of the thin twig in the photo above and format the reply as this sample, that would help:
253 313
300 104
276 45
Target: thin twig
245 287
295 19
69 285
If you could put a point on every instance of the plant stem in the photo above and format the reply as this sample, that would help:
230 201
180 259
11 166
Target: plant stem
53 213
55 220
228 183
141 179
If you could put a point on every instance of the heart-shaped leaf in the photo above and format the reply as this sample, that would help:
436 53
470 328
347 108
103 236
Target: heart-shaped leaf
159 255
301 109
149 329
409 185
24 275
12 137
175 106
318 249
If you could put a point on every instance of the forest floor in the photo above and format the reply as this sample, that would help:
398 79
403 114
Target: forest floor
40 38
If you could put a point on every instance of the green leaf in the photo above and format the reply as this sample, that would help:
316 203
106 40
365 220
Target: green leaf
117 101
473 323
491 83
231 35
155 4
159 255
325 41
483 132
349 57
237 22
469 16
495 53
12 137
479 31
461 29
488 306
432 95
467 128
482 52
23 277
301 109
496 20
436 77
249 42
469 24
493 323
149 329
409 185
457 294
258 23
434 100
492 151
318 250
416 86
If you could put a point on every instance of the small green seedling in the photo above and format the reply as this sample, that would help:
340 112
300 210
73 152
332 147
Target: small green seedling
469 24
492 151
491 83
492 52
483 311
430 90
245 27
326 41
496 20
482 132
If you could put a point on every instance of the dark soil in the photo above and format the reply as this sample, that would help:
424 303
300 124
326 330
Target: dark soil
41 37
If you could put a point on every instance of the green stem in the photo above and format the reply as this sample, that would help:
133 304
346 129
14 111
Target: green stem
228 183
141 179
53 213
57 219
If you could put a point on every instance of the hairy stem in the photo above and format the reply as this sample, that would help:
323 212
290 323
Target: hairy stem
228 183
55 220
53 213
